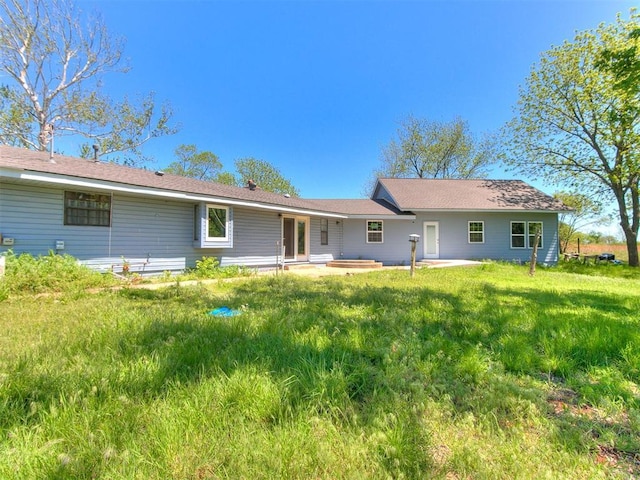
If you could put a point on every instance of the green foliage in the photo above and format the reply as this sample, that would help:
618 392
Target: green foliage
576 127
585 211
26 274
266 176
456 373
209 267
430 149
194 164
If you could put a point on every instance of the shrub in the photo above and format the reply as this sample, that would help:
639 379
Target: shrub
209 267
47 273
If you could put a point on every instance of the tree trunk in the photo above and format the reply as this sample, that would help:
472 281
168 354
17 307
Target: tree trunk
632 247
630 228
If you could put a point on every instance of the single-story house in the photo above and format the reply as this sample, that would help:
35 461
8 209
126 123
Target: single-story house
105 214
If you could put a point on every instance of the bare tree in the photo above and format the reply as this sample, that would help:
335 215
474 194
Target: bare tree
55 64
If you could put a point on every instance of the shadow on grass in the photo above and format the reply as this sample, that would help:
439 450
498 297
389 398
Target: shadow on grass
399 340
355 347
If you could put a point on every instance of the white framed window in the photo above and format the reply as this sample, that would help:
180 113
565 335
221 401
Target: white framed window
217 223
476 232
374 231
518 234
534 227
523 234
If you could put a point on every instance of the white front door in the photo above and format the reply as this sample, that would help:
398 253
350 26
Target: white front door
431 240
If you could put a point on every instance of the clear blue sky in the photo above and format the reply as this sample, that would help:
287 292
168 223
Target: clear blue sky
317 88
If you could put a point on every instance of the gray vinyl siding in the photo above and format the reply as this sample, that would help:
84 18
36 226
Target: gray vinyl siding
381 193
31 216
395 248
254 240
151 234
325 253
257 233
454 238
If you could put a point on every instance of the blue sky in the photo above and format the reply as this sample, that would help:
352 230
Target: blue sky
317 88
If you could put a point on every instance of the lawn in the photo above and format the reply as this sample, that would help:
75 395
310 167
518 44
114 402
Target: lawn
472 372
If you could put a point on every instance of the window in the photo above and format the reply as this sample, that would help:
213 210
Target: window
523 234
217 222
88 209
518 235
476 232
534 227
324 231
374 231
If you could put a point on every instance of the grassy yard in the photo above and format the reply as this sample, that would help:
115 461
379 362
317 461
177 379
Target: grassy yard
459 373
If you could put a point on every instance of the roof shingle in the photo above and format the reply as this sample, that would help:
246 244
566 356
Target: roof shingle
35 161
413 194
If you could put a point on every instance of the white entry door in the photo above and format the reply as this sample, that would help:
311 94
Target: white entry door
431 240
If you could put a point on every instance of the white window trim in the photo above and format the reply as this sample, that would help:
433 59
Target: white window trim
469 232
529 235
524 235
528 244
226 226
375 231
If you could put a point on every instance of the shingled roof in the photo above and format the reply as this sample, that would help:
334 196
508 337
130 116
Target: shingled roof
359 207
416 194
71 167
394 196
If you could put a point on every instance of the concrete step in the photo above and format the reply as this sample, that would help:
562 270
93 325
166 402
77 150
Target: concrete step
299 266
354 264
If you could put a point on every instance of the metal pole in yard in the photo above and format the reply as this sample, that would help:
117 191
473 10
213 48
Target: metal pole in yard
413 239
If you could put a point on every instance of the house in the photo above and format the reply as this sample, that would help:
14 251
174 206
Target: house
464 219
106 214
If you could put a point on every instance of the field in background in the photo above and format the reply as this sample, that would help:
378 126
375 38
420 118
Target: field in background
618 249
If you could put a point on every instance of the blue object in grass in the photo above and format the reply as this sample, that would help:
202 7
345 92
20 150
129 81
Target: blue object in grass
224 312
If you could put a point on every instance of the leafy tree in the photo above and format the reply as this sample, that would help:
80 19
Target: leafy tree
55 66
195 164
577 126
429 149
266 176
623 61
586 211
228 178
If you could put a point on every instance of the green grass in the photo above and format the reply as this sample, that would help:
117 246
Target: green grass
458 373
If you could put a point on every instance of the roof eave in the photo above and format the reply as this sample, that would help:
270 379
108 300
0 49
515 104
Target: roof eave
484 210
57 179
387 216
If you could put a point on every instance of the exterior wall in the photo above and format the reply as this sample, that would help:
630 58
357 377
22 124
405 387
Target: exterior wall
325 253
395 249
257 232
454 237
453 233
152 234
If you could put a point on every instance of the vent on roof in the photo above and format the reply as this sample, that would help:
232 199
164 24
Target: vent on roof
252 185
159 173
95 153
